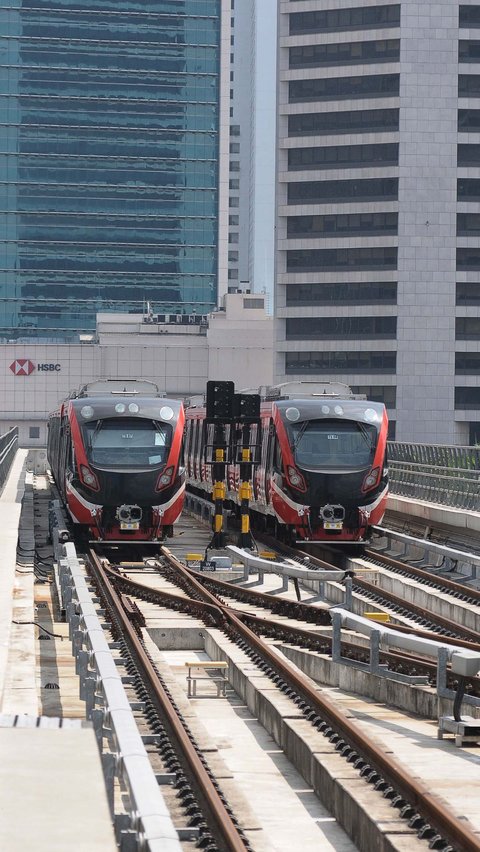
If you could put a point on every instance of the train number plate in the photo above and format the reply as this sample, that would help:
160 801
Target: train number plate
129 525
332 525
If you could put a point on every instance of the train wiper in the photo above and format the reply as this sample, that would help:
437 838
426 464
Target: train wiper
300 434
95 432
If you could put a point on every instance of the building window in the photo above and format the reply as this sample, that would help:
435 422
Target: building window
233 256
233 274
318 192
233 237
467 363
304 363
468 294
234 201
467 328
469 120
345 53
469 51
348 293
468 224
378 393
468 189
300 227
469 85
233 220
466 398
468 155
336 88
234 166
234 130
468 258
234 183
332 328
327 123
253 303
234 147
345 156
335 20
34 432
329 260
469 16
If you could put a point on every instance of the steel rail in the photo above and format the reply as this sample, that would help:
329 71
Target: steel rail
212 804
425 576
359 584
415 793
285 631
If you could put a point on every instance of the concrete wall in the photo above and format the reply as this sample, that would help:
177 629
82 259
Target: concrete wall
35 378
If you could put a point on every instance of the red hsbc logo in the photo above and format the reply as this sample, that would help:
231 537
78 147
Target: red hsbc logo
22 367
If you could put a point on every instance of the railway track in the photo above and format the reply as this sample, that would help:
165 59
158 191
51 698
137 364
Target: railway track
200 822
426 618
414 801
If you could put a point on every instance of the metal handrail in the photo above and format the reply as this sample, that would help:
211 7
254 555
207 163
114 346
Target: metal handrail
8 448
446 475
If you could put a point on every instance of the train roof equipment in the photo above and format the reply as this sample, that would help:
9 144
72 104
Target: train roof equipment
118 387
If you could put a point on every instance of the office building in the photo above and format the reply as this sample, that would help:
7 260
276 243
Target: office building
253 45
114 160
378 220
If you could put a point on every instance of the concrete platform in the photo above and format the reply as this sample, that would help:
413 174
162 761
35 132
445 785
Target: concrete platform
52 791
14 591
435 513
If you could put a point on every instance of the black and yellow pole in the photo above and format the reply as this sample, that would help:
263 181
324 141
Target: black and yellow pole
245 490
219 492
219 410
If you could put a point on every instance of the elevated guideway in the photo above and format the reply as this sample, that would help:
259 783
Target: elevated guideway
51 768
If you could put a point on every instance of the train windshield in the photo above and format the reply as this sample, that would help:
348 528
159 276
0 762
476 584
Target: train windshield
127 442
333 443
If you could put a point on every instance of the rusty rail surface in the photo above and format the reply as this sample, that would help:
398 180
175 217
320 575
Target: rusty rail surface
425 577
359 584
412 792
213 806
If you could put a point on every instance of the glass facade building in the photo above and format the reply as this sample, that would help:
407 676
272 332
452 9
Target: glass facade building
109 160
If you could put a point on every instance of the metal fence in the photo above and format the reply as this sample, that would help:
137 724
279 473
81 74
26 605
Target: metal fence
8 448
438 474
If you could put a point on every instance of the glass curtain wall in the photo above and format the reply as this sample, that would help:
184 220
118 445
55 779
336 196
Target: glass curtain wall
109 124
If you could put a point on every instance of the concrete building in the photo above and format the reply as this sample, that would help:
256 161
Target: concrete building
378 220
179 354
114 134
252 145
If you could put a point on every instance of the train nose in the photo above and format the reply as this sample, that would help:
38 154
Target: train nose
129 514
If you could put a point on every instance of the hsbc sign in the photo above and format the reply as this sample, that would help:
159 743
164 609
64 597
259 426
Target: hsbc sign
25 367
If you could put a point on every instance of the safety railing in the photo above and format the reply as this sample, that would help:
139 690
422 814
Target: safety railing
8 448
437 474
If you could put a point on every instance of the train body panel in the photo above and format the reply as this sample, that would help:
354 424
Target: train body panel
116 460
321 468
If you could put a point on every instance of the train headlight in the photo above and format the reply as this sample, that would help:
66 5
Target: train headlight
120 407
295 478
133 408
165 478
87 412
166 413
88 478
371 479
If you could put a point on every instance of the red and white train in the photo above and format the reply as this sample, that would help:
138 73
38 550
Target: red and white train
114 450
321 463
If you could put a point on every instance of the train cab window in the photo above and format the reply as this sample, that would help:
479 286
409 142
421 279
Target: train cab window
333 443
128 442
